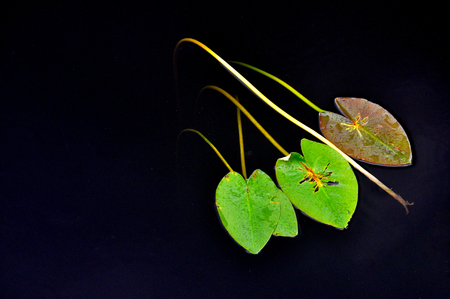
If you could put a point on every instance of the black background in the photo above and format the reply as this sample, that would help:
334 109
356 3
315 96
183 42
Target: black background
98 200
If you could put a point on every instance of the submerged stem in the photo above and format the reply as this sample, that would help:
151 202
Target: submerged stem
211 145
287 86
252 88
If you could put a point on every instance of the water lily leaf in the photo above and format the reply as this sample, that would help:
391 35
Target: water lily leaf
321 183
287 224
249 210
368 132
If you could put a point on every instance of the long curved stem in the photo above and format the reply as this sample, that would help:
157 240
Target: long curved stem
211 145
244 81
249 116
287 86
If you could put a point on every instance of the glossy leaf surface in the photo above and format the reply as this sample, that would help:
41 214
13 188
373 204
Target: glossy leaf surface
368 132
249 210
287 224
321 183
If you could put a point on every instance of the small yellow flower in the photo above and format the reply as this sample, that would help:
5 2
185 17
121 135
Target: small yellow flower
357 124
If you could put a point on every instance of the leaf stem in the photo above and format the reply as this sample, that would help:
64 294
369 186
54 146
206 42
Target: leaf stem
249 116
211 145
252 88
241 141
287 86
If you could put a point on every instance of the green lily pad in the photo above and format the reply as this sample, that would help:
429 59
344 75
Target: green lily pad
368 133
249 210
321 183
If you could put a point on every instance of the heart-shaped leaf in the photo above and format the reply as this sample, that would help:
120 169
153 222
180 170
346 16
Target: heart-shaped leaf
368 132
321 184
249 210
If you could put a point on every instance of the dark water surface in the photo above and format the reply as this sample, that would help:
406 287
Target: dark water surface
98 200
